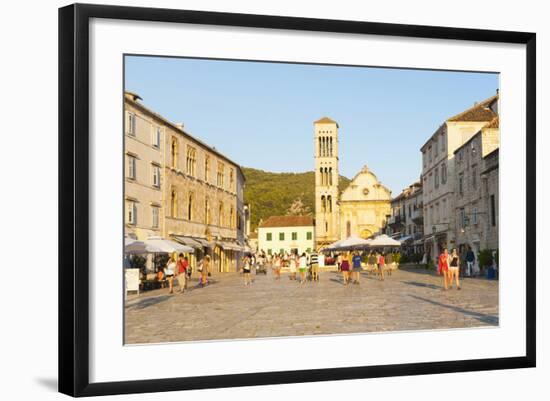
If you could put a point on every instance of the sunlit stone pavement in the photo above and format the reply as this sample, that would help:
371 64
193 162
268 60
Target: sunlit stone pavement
409 299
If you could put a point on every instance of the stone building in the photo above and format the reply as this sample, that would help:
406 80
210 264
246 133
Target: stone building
406 222
364 205
471 207
438 173
327 228
143 183
286 234
360 209
490 196
199 191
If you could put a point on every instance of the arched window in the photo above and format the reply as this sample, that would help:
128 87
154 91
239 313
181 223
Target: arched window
330 176
207 168
220 214
207 211
173 203
320 146
190 205
174 152
231 217
329 203
321 176
330 147
323 204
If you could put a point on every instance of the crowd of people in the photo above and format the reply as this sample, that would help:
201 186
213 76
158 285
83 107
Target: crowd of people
305 267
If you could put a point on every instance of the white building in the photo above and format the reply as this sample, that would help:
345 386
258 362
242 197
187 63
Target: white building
290 234
438 173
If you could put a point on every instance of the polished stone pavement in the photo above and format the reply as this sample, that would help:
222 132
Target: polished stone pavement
409 299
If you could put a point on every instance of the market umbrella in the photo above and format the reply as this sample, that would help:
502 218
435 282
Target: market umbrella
383 240
352 242
133 246
161 245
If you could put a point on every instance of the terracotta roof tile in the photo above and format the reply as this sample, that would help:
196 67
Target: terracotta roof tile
479 112
288 221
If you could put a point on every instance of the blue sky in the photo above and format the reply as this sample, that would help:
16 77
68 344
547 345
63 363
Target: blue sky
261 114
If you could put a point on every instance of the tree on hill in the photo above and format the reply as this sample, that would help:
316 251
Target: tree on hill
280 194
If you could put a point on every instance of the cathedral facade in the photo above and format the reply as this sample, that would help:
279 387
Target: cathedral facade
360 209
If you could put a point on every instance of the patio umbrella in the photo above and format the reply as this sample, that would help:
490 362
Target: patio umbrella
383 240
133 246
352 242
161 245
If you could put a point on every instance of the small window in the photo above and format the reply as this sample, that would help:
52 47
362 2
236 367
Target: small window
474 177
294 236
156 137
131 167
269 236
309 235
461 184
436 178
155 216
131 210
156 176
131 128
281 236
444 173
474 215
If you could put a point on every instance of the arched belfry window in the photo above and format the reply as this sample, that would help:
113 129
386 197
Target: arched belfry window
323 204
190 206
173 203
329 203
330 147
174 152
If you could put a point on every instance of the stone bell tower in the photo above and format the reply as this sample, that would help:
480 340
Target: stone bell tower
326 182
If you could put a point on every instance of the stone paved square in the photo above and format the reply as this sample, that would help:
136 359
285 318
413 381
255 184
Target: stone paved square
409 299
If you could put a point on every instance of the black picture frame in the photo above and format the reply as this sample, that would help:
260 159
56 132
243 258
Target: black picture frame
74 198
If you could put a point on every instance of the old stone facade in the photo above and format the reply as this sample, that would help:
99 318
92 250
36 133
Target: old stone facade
143 183
364 205
438 173
200 191
406 222
490 196
360 209
327 229
472 213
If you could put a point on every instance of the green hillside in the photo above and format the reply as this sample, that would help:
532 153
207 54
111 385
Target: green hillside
279 194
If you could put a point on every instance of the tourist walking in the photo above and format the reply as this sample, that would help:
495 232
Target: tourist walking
345 268
292 267
205 270
372 262
314 263
181 272
247 266
277 262
188 272
453 269
381 260
389 262
470 260
443 267
170 271
356 271
302 263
